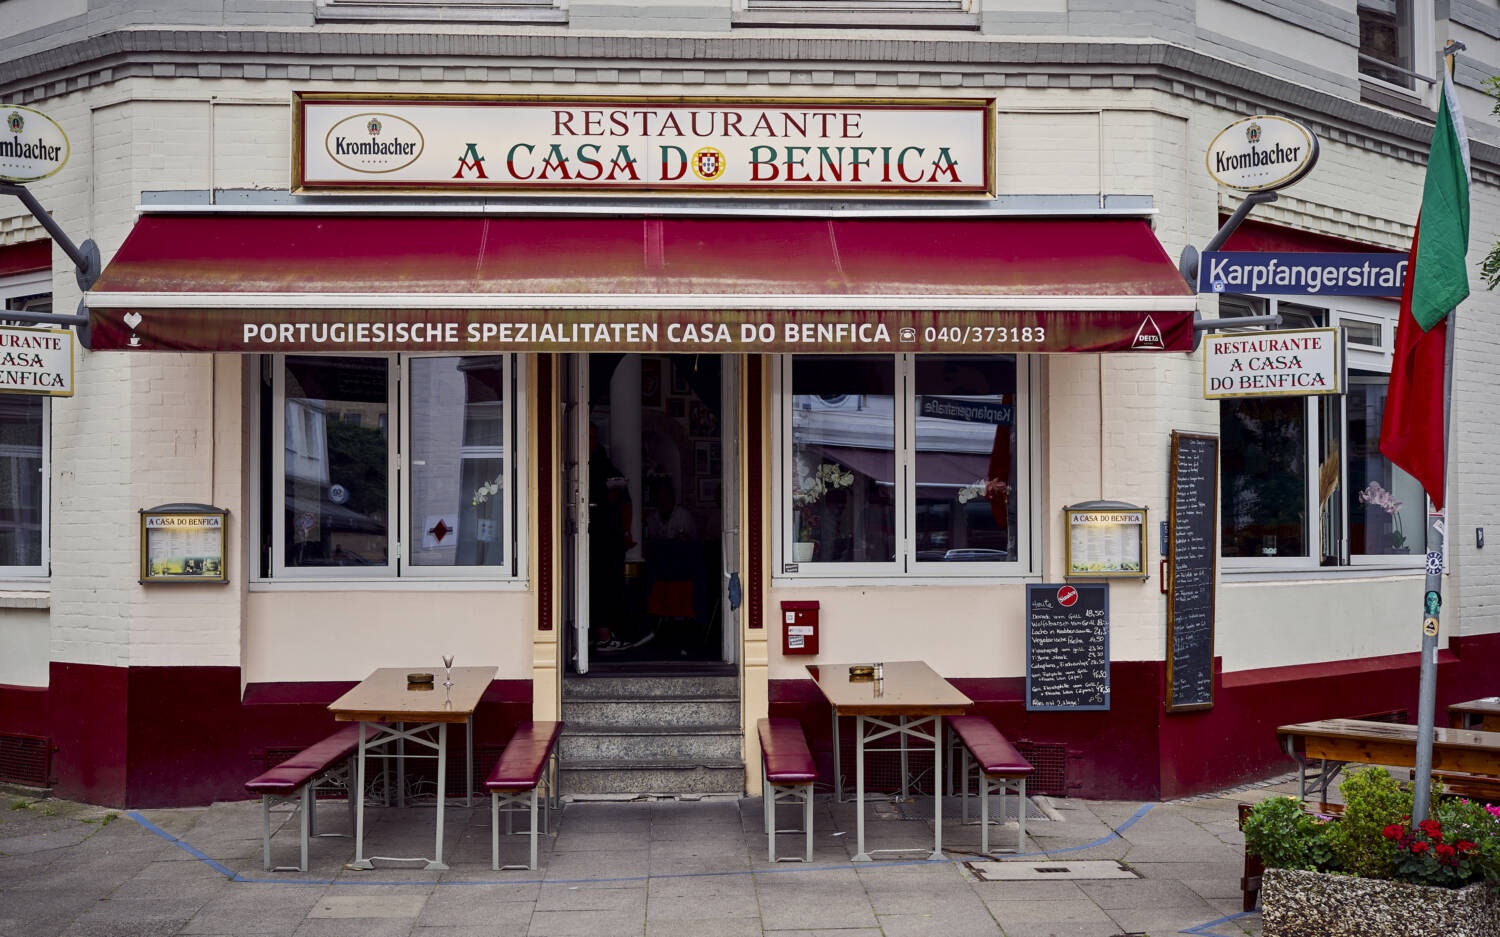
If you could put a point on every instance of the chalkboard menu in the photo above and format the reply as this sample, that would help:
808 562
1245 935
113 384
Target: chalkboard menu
1067 646
1191 559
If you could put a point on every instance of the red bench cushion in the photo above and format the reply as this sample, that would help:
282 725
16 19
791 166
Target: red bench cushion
784 748
992 750
307 764
525 757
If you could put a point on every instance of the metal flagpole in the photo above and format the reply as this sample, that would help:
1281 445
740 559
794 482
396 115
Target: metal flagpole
1432 600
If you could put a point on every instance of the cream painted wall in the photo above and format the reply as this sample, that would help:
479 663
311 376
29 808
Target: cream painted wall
24 636
1280 624
295 636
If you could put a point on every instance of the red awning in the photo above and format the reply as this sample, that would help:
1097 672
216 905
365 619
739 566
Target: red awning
343 282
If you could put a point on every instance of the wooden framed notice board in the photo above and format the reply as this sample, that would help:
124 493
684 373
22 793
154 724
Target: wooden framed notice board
1192 560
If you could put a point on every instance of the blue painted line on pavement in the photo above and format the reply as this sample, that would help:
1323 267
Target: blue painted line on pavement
1114 834
183 845
1202 930
246 880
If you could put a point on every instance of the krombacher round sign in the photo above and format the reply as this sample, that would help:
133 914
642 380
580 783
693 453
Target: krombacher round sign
1257 154
32 145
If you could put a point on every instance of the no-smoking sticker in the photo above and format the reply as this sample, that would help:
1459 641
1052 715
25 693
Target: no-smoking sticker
1067 595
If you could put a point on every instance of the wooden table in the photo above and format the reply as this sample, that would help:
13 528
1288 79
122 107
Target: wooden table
1338 742
1483 714
910 696
385 700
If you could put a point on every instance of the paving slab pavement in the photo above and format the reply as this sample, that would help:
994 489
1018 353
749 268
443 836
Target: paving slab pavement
648 868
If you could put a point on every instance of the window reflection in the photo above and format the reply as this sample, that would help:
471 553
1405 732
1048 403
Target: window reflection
965 459
1264 470
21 480
336 462
843 457
457 484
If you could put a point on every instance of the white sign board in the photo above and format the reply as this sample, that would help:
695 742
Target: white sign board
1257 154
32 145
36 361
1288 363
713 146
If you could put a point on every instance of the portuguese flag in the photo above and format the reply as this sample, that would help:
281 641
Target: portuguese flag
1437 279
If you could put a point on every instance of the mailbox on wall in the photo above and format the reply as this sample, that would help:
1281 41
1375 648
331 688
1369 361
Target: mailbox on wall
799 629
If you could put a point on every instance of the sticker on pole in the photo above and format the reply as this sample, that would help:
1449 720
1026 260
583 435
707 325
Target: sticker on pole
33 146
1067 595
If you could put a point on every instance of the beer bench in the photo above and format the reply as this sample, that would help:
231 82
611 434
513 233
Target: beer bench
1337 742
998 761
787 773
297 777
521 770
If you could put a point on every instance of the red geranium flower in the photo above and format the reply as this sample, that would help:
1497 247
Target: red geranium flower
1444 851
1419 848
1466 846
1431 827
1391 832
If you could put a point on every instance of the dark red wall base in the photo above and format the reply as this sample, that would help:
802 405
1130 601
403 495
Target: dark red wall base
1138 751
182 736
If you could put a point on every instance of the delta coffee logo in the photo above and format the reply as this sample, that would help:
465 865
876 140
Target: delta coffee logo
1148 336
1258 154
708 163
33 146
374 143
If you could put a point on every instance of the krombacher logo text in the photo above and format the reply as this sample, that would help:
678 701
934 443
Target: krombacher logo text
374 143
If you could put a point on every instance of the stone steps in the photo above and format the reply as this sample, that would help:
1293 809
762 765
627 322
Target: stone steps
651 735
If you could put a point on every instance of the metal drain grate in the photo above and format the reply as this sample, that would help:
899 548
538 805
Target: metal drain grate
25 759
1085 870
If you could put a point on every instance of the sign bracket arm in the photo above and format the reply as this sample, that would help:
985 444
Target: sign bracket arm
86 263
1187 265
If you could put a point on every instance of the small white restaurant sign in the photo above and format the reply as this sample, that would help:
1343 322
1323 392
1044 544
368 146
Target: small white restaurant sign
494 144
1291 362
36 361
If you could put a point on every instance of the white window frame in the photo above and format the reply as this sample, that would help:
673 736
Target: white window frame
1337 309
399 568
905 570
31 283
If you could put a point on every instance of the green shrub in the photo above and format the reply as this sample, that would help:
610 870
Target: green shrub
1284 837
1372 801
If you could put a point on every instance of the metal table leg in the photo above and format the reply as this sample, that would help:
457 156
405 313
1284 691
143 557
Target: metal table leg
937 788
442 794
468 762
859 790
838 774
360 862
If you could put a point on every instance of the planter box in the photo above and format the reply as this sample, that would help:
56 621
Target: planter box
1314 904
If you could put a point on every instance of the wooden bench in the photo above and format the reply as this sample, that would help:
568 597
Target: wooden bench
521 770
1337 742
787 773
998 762
297 777
1482 714
1460 784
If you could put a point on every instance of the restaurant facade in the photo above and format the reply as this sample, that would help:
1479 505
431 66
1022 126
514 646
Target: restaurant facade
651 368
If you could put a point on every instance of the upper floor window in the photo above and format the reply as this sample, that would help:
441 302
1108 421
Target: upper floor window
904 465
391 466
1395 42
858 14
1304 483
511 11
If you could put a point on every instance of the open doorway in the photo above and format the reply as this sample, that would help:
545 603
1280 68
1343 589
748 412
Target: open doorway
647 553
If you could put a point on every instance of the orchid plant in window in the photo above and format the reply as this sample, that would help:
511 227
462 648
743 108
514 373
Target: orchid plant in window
1375 494
811 488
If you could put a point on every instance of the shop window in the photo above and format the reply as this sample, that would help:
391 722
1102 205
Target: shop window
1303 481
390 467
25 472
903 464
